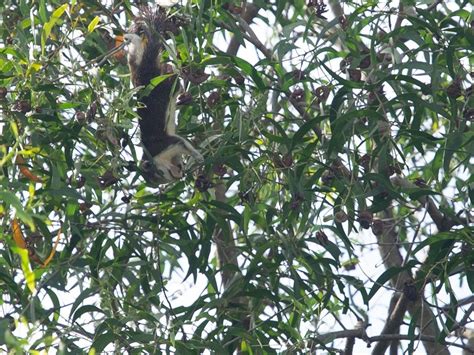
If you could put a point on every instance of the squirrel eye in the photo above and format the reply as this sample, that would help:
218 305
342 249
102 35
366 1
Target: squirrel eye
140 30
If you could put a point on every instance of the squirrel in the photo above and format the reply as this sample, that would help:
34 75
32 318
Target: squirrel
163 148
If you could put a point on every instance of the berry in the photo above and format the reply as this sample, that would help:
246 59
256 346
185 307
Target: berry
365 219
340 217
3 92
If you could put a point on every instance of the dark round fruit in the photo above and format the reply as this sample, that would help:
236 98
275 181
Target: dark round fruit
340 217
3 92
365 219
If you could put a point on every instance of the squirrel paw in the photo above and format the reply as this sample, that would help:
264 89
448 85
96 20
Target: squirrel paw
198 157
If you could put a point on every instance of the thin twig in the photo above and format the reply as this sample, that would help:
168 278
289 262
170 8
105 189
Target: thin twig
433 5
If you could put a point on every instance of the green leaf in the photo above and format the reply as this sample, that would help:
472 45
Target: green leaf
84 294
416 193
5 326
43 14
26 268
297 138
453 141
101 341
470 279
347 84
250 70
93 24
462 234
242 64
50 24
10 199
85 309
397 78
66 192
56 303
337 102
387 276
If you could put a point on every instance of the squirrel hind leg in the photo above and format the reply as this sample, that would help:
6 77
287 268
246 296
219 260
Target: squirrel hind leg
188 149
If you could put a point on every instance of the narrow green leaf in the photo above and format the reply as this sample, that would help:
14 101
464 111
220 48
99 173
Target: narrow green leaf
85 309
10 199
93 24
453 142
346 83
443 236
85 294
42 11
386 276
416 193
154 83
26 268
250 70
48 27
305 128
101 341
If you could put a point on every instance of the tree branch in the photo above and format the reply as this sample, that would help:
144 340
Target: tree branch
347 333
349 346
425 318
461 302
460 326
393 322
424 338
442 222
247 33
434 5
249 13
226 249
361 334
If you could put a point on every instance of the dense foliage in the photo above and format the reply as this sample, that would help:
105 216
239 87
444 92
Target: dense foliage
325 134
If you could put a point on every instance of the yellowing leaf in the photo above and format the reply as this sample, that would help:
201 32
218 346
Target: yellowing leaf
6 157
91 27
243 346
30 151
31 193
36 66
53 251
26 268
14 129
17 234
25 171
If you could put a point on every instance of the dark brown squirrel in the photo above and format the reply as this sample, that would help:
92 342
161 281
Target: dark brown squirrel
163 148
